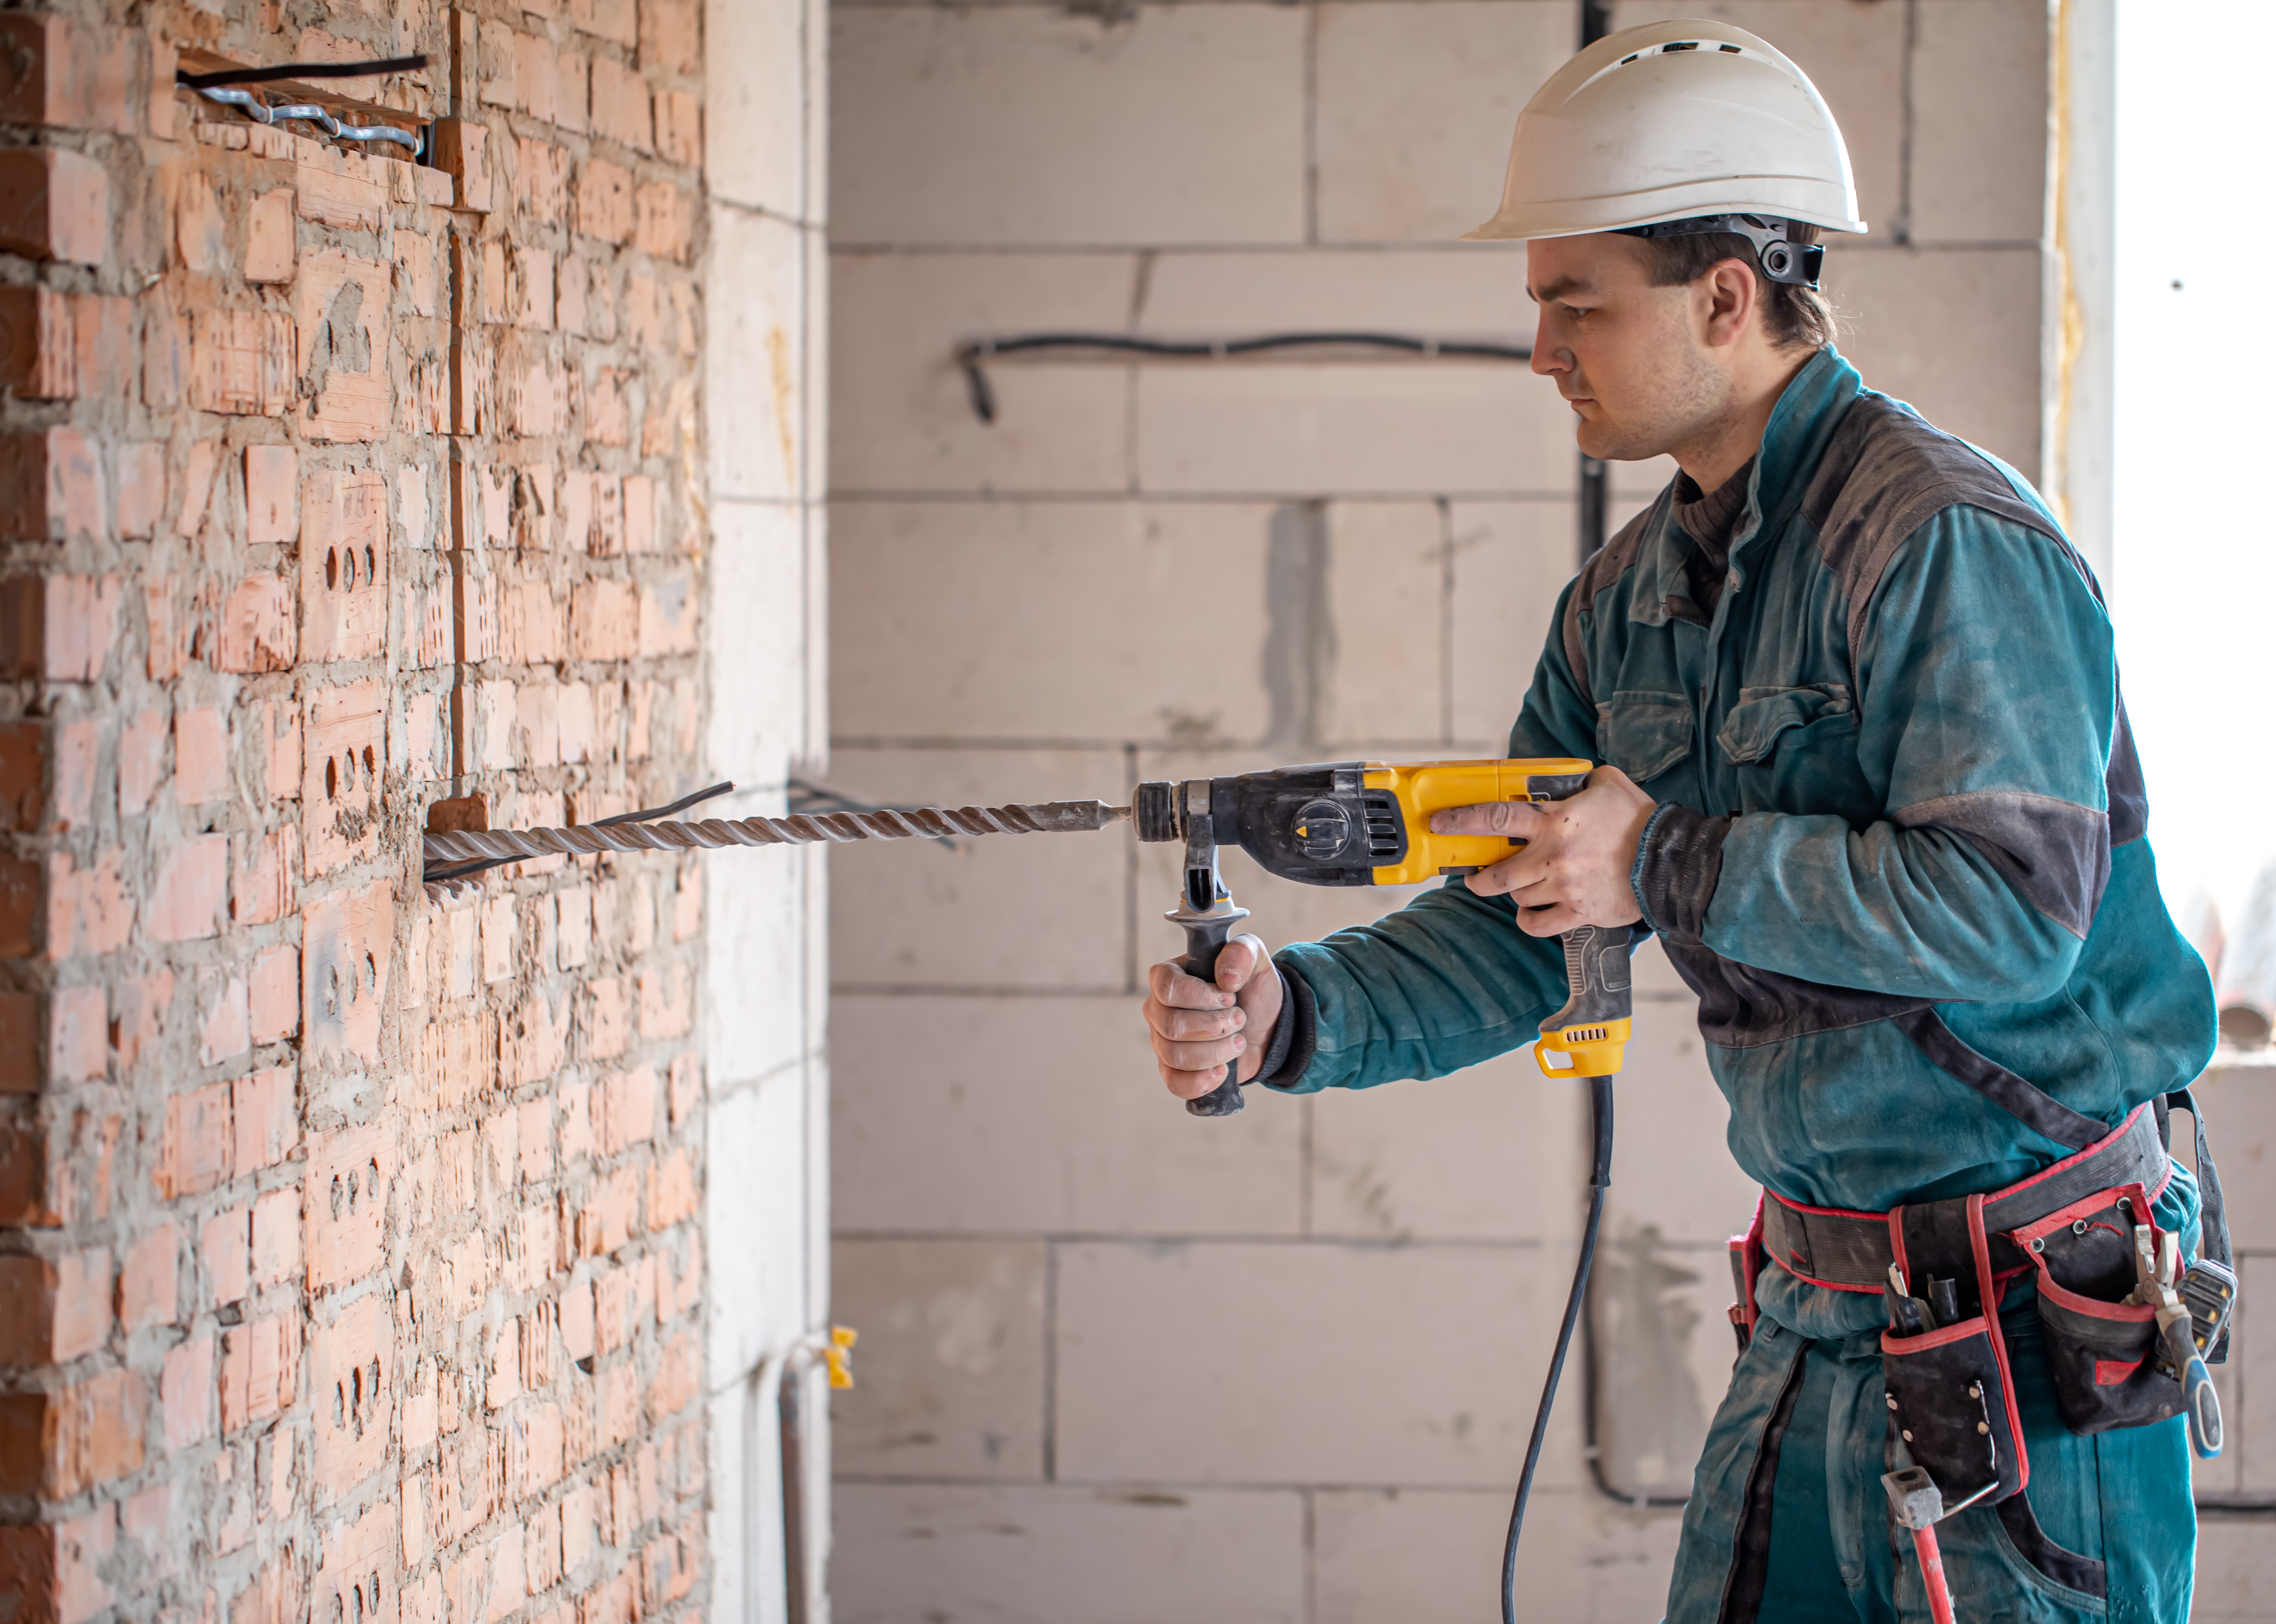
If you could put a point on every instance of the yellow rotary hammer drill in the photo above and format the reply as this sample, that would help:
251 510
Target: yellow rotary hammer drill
1368 824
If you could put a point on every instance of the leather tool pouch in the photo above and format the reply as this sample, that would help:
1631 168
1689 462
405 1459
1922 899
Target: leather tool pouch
2102 1353
1948 1388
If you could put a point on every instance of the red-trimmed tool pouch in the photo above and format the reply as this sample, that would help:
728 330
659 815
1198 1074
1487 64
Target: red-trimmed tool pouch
1949 1388
1746 1269
2103 1354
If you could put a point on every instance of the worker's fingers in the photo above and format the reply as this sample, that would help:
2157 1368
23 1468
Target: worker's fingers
1192 1085
1193 1025
1176 1057
1169 982
1554 920
1517 819
1518 871
1237 964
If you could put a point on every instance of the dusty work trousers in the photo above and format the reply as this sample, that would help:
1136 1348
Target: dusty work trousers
1788 1522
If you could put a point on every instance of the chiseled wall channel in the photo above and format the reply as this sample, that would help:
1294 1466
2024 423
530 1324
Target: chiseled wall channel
1117 1363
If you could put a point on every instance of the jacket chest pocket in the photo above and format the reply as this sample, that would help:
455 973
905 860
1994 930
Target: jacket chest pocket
1796 750
1645 735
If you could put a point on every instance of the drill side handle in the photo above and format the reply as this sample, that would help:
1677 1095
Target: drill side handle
1205 941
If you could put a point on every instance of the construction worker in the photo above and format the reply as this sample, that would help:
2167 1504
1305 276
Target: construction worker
1868 775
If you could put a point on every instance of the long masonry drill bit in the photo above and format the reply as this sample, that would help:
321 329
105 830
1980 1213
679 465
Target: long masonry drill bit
484 848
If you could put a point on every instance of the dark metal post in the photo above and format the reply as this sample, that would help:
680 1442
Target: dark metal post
1596 495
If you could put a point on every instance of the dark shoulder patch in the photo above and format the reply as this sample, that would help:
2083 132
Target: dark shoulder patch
1886 473
1605 566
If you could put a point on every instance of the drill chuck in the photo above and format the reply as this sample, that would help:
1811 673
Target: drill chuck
1154 811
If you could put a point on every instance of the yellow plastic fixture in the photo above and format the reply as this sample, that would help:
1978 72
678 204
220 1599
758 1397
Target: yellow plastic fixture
1425 787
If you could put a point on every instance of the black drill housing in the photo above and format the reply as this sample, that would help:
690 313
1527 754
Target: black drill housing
1319 823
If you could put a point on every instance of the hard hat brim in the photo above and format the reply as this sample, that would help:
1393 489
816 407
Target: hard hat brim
1775 197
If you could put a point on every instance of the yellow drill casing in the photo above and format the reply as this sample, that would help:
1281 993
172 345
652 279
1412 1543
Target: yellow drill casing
1584 1048
1424 788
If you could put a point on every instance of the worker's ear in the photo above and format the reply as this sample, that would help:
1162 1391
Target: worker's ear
1724 301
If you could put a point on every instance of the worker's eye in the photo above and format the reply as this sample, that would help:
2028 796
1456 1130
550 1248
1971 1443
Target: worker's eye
1575 312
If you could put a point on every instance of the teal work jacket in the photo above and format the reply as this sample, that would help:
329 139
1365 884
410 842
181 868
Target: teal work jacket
1899 852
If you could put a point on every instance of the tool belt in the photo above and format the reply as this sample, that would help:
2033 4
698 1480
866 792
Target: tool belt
2069 1227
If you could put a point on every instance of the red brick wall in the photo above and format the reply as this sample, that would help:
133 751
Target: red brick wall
350 1249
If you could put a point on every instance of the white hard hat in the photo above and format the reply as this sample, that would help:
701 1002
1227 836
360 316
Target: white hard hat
1673 121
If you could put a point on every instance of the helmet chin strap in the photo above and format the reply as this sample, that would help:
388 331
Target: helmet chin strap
1782 259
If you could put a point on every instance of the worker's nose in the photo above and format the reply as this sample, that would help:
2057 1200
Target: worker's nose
1548 360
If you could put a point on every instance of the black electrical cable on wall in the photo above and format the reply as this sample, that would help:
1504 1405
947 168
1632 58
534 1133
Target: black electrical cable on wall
970 356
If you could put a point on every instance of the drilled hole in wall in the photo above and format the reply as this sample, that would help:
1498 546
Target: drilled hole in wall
370 565
350 569
332 777
332 567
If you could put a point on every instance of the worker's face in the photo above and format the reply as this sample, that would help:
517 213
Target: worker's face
1639 364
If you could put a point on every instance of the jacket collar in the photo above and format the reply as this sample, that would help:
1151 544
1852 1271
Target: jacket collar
1793 440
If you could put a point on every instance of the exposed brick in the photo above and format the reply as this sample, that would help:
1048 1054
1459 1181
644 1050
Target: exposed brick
276 1237
194 1144
78 1034
274 1595
604 200
344 757
274 995
200 756
679 127
142 489
51 486
257 626
224 1028
63 1443
666 225
79 626
147 1281
345 1200
272 494
223 1243
672 35
239 362
28 1310
260 1370
261 891
672 1194
193 883
462 152
605 620
78 745
54 71
24 1179
55 204
23 1030
620 105
88 911
343 559
270 237
265 1118
337 188
186 1390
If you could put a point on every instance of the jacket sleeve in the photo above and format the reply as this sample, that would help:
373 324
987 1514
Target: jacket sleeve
1445 982
1987 711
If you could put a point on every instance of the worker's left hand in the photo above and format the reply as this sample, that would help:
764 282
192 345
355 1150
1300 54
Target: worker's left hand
1579 854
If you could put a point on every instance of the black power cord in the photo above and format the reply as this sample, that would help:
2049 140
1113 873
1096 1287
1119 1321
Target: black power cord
298 71
1600 1178
970 355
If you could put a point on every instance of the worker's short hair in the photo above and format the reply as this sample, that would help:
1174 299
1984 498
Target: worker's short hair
1792 315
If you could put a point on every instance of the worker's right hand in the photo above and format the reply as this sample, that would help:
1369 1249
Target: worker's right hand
1199 1029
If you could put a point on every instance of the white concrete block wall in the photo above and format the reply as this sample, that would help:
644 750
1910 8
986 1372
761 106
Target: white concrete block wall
1121 1363
767 1197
